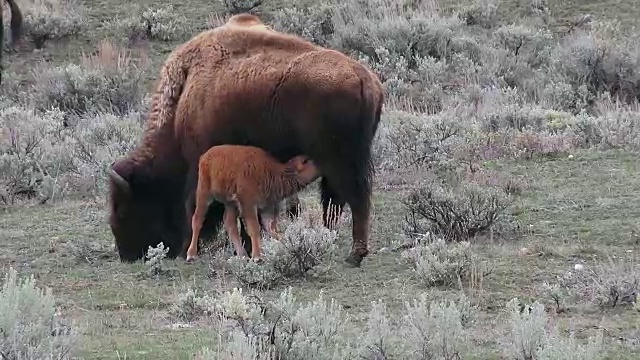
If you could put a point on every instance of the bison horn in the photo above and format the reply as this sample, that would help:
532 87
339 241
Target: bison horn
118 179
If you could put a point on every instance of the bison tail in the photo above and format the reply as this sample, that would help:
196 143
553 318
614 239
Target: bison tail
370 113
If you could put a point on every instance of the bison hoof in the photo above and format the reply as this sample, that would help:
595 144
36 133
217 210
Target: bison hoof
257 260
191 259
354 260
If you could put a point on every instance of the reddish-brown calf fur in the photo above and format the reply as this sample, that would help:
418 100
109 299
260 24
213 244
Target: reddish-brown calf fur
233 85
246 180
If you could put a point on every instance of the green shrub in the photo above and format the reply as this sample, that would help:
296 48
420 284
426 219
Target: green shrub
453 212
34 155
280 329
610 284
108 81
51 19
306 245
481 12
437 330
313 23
30 328
189 305
531 337
435 263
240 6
160 23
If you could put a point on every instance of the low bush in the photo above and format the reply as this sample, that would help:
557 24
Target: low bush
481 12
280 329
532 337
30 327
189 306
34 156
240 6
154 260
46 20
313 23
453 212
436 263
436 330
307 245
43 160
284 329
609 284
160 24
108 81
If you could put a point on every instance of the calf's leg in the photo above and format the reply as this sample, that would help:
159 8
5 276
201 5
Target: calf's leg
202 204
231 225
250 215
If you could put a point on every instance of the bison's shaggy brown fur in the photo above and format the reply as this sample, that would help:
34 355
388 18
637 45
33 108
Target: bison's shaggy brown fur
247 180
15 26
232 85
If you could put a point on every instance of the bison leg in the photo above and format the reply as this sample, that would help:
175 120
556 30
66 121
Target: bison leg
346 185
246 239
332 204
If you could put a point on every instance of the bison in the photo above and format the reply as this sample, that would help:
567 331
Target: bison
247 180
235 85
15 26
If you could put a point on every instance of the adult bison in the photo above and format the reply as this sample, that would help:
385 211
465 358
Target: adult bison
15 25
246 86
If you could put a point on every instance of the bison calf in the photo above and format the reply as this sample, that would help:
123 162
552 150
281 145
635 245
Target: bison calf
246 180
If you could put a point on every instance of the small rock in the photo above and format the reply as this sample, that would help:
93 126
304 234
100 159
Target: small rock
570 156
524 252
578 267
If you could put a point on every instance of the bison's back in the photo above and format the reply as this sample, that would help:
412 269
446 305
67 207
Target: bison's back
285 103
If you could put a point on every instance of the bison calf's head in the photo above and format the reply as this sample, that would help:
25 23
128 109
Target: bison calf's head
142 214
304 168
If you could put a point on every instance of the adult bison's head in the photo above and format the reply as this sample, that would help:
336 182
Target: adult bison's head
144 211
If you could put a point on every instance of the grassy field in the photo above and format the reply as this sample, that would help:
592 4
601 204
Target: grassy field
577 206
